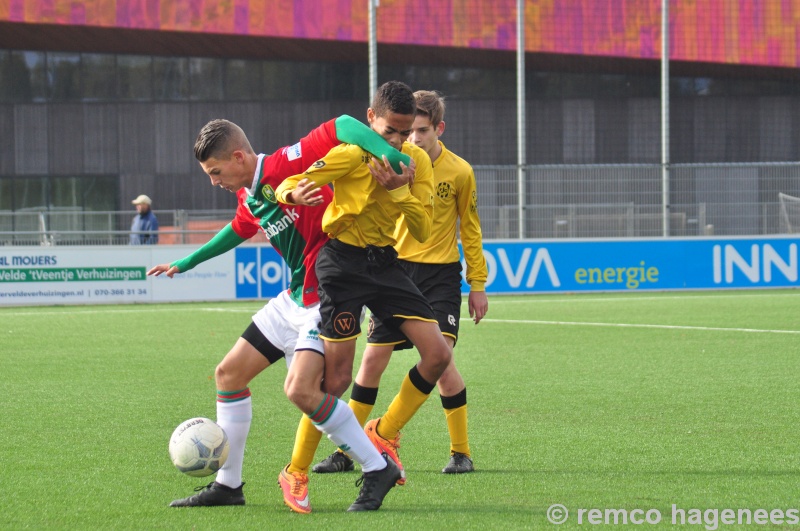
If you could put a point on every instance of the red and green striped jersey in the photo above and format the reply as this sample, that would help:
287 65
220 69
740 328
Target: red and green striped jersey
294 231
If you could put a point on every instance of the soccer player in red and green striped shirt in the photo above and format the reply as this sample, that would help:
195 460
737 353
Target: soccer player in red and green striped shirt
288 325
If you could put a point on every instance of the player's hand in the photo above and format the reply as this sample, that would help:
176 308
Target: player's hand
413 167
307 193
163 268
478 305
383 172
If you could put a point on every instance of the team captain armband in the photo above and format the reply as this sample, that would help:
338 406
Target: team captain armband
351 131
225 240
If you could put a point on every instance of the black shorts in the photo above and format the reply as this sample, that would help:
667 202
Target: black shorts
441 285
352 277
255 337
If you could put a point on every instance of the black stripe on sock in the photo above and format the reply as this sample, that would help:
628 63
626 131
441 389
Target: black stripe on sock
455 401
365 395
420 382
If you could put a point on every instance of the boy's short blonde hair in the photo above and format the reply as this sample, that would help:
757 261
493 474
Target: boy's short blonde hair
431 104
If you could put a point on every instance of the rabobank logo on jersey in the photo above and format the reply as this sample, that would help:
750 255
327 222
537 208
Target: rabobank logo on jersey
273 229
260 273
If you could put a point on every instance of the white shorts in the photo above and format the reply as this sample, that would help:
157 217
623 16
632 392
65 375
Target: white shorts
290 327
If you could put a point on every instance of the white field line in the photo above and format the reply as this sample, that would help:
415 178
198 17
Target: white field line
632 325
528 300
485 320
542 298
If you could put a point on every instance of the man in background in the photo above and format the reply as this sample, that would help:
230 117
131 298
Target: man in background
144 228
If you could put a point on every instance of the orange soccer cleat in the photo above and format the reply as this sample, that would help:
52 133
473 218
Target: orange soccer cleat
386 446
295 490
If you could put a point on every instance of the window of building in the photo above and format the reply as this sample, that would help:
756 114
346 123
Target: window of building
98 76
243 80
205 79
135 77
43 192
295 81
29 193
32 76
170 78
6 190
99 192
64 76
277 81
23 76
5 73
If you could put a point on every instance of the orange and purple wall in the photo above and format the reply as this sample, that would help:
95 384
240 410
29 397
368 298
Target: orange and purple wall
754 32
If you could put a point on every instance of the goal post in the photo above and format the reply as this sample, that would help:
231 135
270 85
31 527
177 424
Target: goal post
789 216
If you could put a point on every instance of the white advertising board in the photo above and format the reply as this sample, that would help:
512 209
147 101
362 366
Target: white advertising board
108 275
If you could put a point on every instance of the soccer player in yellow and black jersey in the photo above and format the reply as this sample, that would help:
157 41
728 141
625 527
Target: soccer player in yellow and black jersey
435 267
358 267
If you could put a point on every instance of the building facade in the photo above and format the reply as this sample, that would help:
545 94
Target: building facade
100 102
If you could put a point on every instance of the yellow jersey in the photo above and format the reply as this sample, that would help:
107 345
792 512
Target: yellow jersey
362 212
455 198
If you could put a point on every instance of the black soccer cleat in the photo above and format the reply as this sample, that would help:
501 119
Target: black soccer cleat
459 464
336 462
211 495
374 486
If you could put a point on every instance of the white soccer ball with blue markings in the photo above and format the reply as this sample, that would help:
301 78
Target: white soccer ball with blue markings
198 447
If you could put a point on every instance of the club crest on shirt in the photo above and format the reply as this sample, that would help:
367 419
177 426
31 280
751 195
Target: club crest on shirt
269 194
443 190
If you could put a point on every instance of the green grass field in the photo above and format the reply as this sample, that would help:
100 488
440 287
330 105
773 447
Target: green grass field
607 401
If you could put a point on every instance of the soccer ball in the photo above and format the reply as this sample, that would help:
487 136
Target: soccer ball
198 447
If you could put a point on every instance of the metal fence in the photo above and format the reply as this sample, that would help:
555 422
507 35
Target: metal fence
625 201
561 201
65 226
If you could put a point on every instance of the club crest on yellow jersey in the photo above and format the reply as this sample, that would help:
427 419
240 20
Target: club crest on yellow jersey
443 190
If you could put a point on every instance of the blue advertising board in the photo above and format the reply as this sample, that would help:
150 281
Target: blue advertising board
260 272
542 266
524 266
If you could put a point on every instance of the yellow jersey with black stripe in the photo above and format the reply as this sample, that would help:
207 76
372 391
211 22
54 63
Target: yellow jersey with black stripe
362 211
455 200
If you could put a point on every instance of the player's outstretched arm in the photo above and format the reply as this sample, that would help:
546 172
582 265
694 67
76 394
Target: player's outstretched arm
169 270
222 242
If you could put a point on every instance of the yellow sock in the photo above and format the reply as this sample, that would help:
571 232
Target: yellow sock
305 445
361 410
457 426
404 405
